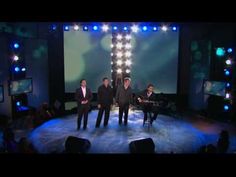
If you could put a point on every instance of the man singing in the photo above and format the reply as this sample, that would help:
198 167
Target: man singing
147 98
124 98
83 96
105 100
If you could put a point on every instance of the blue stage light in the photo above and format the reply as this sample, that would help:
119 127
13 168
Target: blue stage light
125 28
228 84
16 45
54 27
174 28
227 73
17 69
66 28
230 50
85 28
226 107
114 28
220 52
23 69
18 103
154 28
144 28
95 28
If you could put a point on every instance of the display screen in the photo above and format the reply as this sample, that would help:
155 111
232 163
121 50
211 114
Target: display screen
20 86
214 88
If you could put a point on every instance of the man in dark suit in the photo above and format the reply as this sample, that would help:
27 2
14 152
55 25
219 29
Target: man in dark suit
105 100
146 99
124 97
83 96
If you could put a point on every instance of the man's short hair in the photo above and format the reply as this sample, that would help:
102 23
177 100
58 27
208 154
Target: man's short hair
150 85
105 78
82 80
127 78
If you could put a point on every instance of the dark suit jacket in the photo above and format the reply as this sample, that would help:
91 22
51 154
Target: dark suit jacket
144 96
80 97
105 95
152 97
124 96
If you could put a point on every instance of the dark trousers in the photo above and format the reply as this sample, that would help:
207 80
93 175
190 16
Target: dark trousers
148 110
83 111
123 108
103 108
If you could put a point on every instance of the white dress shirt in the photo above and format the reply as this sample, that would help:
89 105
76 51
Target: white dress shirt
84 91
149 94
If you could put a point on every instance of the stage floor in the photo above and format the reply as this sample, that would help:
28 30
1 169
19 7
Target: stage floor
169 134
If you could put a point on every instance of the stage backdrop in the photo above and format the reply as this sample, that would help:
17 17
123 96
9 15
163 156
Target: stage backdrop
154 57
87 55
155 60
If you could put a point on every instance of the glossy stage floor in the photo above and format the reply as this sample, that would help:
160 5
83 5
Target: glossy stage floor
170 134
